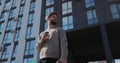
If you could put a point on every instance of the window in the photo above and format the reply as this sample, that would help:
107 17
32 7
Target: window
1 27
29 32
45 25
7 0
49 2
19 22
67 22
7 6
115 10
29 48
0 2
10 25
3 16
67 7
14 3
12 13
21 10
6 52
48 10
16 37
30 18
4 62
92 17
12 61
89 3
28 60
32 6
7 38
117 60
15 50
23 1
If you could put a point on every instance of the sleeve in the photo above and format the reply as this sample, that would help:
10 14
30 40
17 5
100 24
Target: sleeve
39 43
63 44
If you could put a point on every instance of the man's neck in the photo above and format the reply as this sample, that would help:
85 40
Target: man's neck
50 26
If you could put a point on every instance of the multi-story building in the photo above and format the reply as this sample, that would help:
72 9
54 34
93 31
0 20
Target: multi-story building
92 28
19 30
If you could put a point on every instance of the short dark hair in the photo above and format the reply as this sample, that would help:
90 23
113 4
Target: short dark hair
50 14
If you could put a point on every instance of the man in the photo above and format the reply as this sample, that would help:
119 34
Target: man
52 42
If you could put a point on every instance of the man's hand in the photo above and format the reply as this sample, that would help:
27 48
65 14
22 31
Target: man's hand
44 37
62 60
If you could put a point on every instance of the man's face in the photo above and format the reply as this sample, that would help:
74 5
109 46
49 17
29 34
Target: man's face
53 19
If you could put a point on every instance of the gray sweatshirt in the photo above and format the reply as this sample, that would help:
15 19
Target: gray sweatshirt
55 46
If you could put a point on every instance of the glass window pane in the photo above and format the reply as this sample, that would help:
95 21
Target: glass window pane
94 14
32 45
116 15
69 10
89 3
12 61
67 7
70 19
64 12
70 4
117 60
21 10
31 51
29 48
92 17
6 52
7 38
92 4
28 60
8 5
114 8
29 32
5 14
4 62
65 21
65 27
45 26
71 26
32 6
25 61
89 14
119 7
64 6
48 10
49 2
1 27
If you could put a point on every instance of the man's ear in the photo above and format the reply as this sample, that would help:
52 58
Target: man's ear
46 18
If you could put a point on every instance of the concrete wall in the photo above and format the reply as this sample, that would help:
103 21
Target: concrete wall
22 35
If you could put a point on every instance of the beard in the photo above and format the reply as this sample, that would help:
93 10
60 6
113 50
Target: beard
53 22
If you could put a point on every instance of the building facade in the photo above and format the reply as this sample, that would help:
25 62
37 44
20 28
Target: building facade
92 28
19 30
